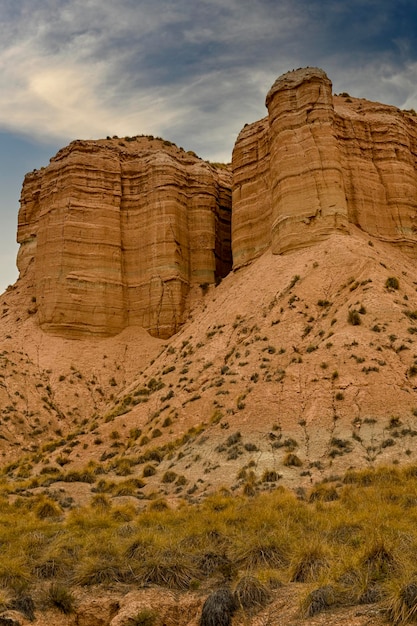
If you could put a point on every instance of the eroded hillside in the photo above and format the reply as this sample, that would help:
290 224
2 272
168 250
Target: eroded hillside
298 365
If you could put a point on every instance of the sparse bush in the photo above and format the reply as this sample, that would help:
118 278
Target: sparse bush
127 487
259 552
168 568
292 460
249 488
24 604
169 477
148 470
135 433
270 476
47 508
401 600
354 317
392 283
145 617
240 402
323 492
378 560
97 570
233 439
294 280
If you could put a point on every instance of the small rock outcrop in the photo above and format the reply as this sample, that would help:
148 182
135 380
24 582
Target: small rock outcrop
318 162
115 233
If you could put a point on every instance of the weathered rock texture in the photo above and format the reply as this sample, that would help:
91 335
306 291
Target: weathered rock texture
317 162
116 232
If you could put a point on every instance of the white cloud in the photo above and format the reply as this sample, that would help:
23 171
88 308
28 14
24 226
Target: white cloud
58 73
193 72
404 82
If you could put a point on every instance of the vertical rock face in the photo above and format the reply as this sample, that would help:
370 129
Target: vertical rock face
319 162
118 232
115 233
252 202
378 148
307 190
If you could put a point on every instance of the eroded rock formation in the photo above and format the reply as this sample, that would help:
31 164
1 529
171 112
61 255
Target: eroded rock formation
116 232
318 162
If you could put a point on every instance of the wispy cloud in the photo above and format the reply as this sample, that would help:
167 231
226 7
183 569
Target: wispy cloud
193 72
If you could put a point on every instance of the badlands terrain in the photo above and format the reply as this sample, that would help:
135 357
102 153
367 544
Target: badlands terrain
183 331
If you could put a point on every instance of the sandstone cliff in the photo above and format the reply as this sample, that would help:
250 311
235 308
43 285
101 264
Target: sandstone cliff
115 233
318 162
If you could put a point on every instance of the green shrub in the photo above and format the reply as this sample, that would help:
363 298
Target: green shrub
354 317
392 283
270 476
145 617
148 470
169 477
292 460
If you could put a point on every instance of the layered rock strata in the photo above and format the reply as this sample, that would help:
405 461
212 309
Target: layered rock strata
116 233
318 162
252 201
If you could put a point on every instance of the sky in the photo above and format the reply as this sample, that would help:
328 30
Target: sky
191 71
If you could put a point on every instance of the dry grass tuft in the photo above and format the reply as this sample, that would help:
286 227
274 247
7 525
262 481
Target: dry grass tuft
308 563
261 552
318 600
168 568
60 597
401 599
250 593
